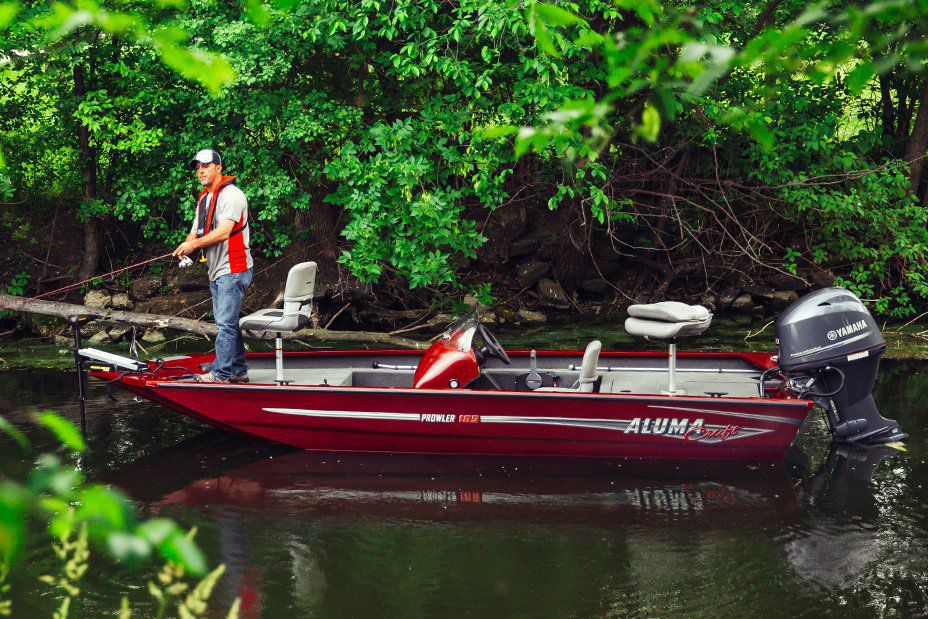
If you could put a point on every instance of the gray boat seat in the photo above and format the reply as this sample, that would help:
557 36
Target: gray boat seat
667 320
298 304
588 373
296 313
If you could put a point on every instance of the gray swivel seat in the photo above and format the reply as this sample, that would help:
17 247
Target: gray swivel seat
295 315
668 321
588 371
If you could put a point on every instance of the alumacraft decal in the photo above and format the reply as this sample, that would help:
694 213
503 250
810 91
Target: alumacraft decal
683 429
697 430
773 418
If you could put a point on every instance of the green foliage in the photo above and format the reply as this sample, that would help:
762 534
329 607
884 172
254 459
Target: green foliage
406 207
6 606
61 19
788 87
144 24
16 287
73 554
861 210
64 430
483 292
169 588
6 185
401 128
80 515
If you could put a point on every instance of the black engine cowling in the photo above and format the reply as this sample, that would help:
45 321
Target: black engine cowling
830 346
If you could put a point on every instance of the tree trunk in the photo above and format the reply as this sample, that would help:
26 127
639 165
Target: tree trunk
917 143
903 116
572 263
320 222
765 18
197 327
88 159
887 109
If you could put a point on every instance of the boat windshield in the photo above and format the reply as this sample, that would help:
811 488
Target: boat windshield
460 334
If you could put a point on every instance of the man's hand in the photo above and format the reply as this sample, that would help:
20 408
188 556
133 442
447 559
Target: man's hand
184 249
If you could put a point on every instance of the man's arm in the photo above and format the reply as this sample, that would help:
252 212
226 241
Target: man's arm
192 243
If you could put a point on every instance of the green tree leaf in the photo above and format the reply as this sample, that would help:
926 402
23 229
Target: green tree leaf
860 76
181 549
13 504
66 431
13 432
553 15
498 131
8 11
544 39
128 548
650 126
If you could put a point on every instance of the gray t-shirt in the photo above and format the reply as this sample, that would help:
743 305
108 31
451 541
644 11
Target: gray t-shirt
234 254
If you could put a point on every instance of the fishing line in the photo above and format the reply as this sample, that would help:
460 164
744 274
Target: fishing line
96 277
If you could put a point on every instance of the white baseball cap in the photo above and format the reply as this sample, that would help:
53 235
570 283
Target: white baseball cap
206 155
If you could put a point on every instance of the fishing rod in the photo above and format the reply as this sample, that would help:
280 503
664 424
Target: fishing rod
77 321
96 277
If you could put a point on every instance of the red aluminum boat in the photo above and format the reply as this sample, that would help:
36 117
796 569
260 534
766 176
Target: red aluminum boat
461 398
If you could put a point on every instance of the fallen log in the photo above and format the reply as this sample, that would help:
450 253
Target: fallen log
197 327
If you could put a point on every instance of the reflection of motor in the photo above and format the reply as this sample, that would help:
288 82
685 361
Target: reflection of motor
831 551
830 347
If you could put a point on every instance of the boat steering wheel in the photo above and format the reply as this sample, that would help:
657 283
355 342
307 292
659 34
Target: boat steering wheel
491 346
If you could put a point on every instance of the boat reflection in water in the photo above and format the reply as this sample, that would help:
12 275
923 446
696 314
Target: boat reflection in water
325 524
261 476
842 534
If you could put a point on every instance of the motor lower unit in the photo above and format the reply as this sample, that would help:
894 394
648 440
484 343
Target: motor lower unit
830 348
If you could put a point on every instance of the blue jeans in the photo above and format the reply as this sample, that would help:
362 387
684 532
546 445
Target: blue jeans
228 291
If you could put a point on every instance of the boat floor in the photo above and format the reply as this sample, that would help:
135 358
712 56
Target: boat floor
732 377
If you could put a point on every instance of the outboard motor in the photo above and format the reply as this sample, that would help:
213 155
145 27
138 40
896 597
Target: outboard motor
830 347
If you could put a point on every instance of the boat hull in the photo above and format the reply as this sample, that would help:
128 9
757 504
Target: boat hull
490 423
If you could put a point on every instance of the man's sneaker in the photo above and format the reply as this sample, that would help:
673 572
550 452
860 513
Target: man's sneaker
209 377
241 378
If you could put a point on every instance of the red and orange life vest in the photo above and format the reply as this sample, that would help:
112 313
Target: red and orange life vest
206 214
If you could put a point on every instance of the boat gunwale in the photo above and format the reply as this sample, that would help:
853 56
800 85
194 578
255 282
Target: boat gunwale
158 384
744 355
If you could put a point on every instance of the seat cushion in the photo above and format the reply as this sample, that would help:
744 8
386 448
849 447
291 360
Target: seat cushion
670 311
272 320
660 330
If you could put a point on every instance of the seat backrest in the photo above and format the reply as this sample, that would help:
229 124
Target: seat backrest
588 373
298 294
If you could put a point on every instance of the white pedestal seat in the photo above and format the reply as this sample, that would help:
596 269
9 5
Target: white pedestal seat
668 321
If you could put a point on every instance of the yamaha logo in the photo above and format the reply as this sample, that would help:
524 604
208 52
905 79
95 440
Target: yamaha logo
860 325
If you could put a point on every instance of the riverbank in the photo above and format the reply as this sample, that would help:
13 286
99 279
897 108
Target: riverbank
726 334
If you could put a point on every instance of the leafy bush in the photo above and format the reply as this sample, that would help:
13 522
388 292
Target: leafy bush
79 515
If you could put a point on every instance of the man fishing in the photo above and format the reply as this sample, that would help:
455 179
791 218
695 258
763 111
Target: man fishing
221 231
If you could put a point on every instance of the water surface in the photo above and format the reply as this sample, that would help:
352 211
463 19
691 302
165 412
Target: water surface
826 532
